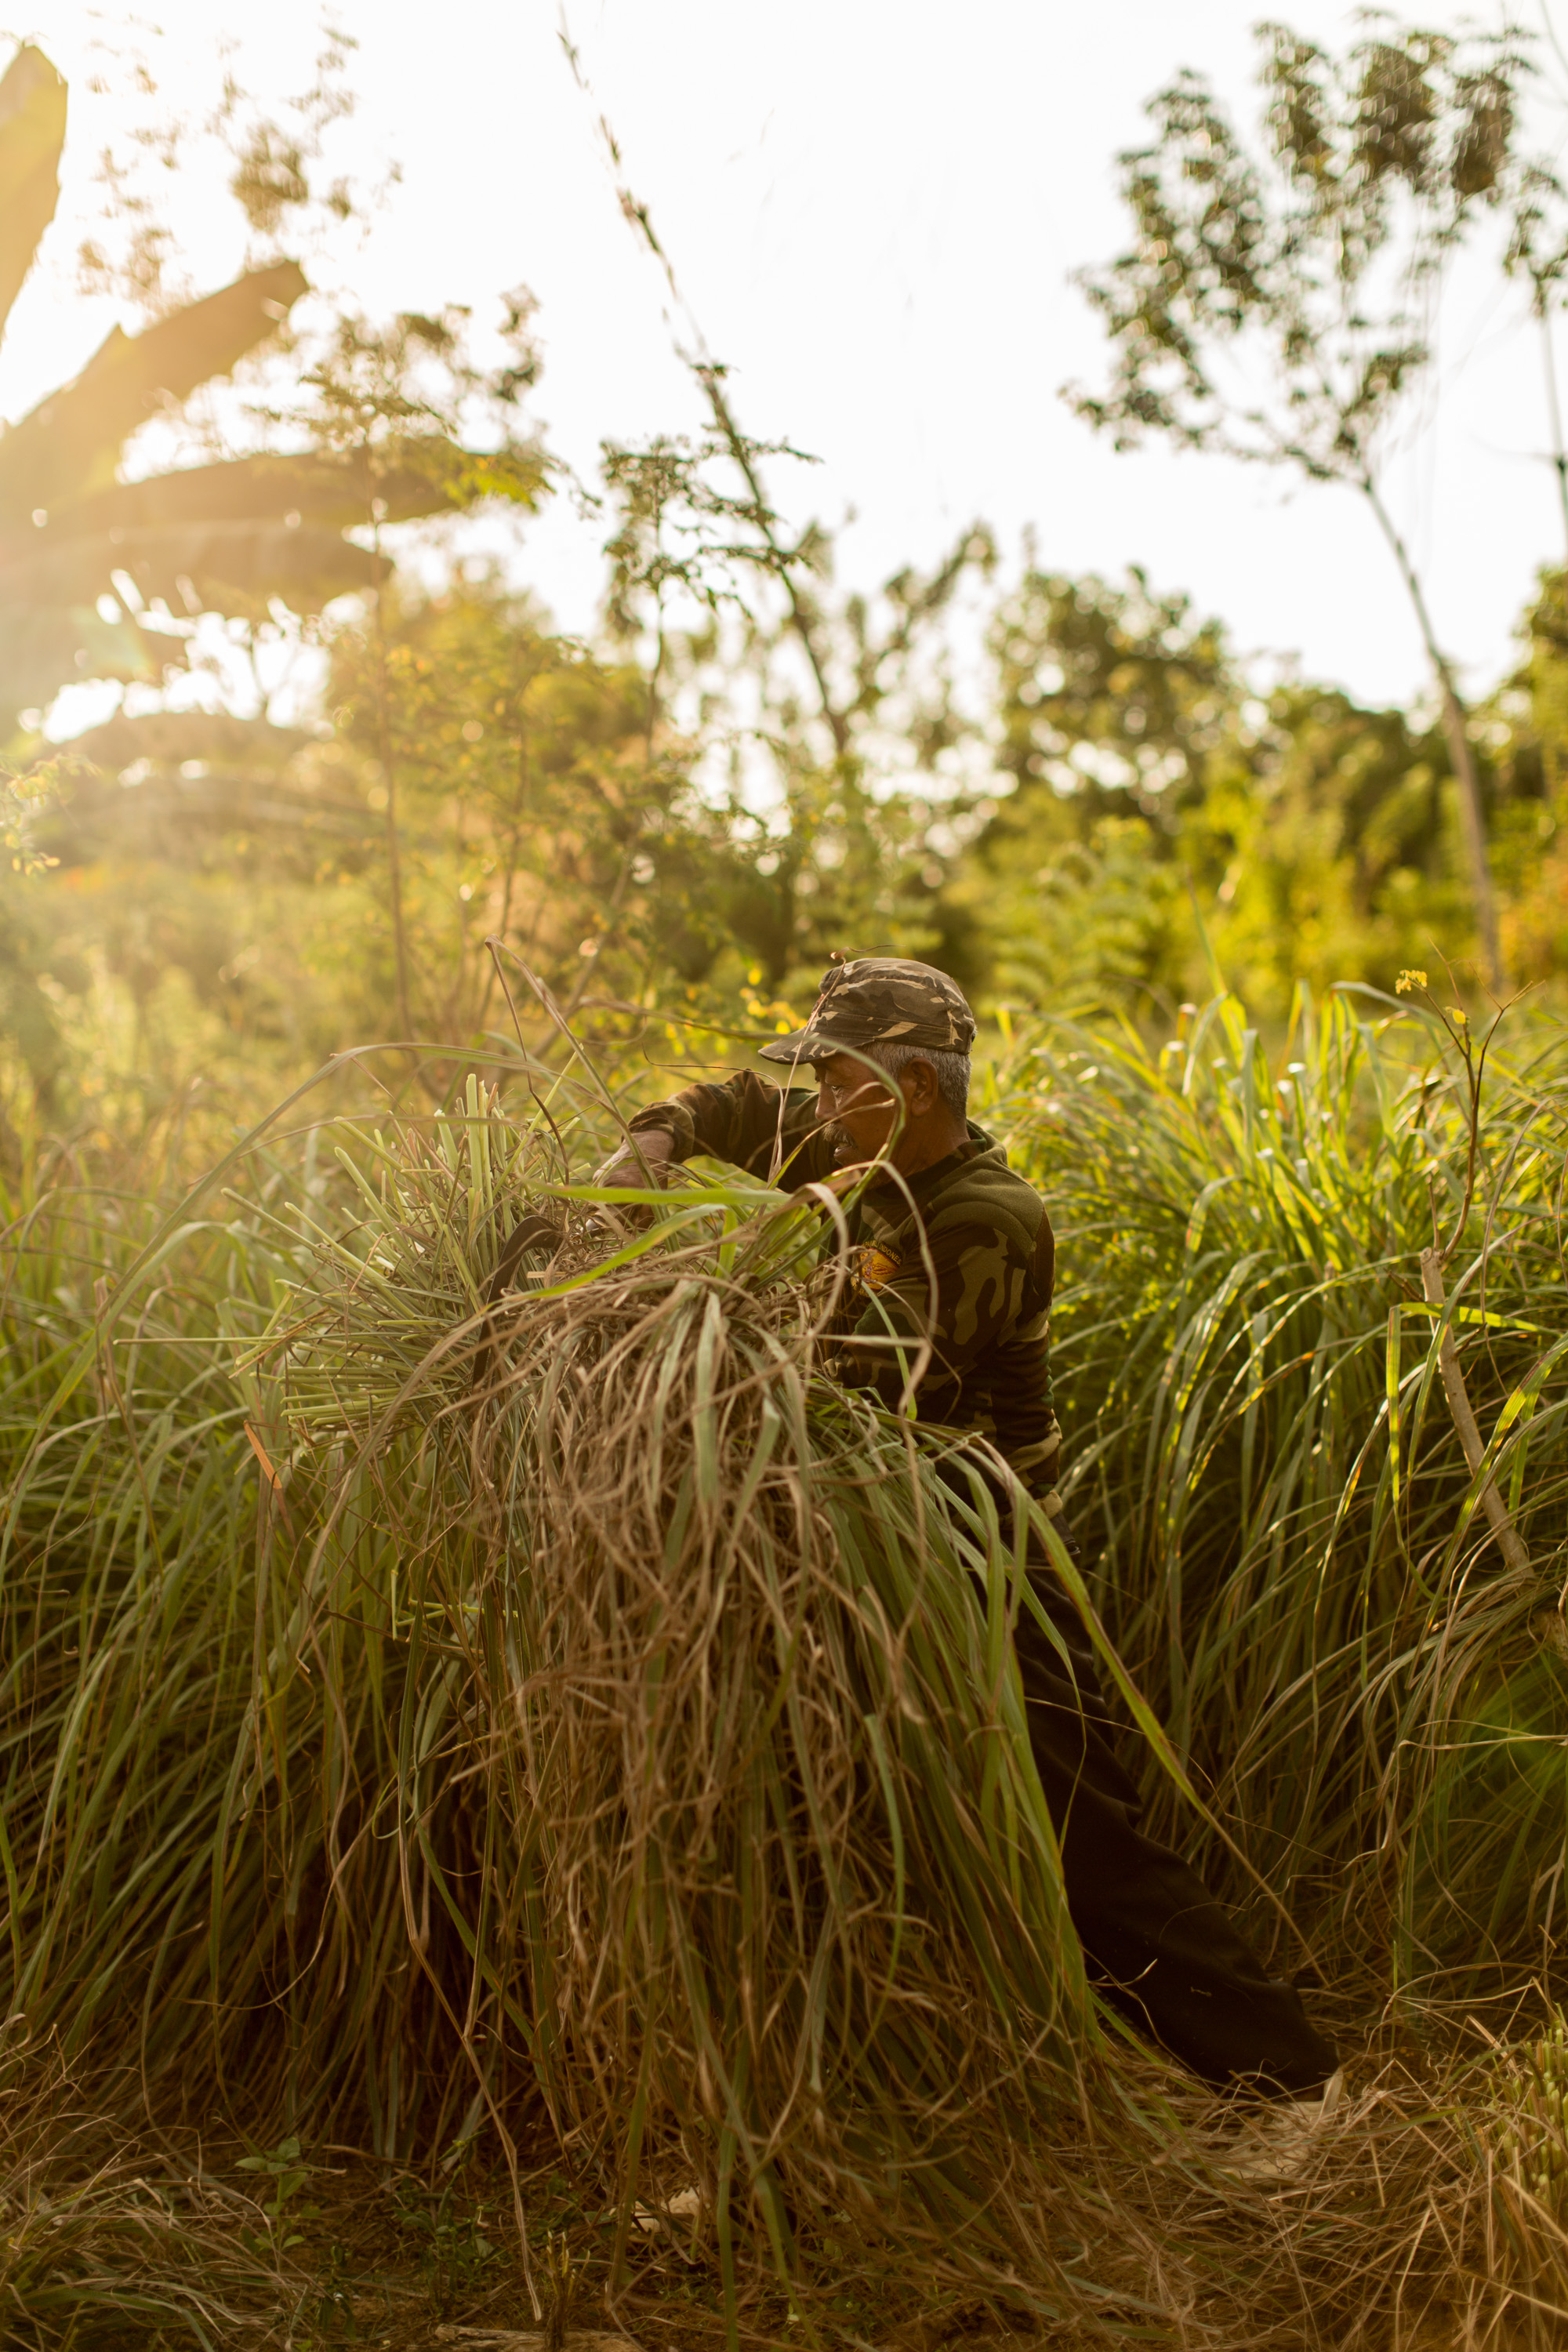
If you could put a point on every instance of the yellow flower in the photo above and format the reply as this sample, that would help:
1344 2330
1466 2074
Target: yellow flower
1408 981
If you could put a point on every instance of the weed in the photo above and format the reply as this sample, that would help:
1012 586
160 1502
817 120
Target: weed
564 2292
454 2254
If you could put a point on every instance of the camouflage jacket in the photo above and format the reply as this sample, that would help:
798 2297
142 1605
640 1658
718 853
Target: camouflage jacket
960 1255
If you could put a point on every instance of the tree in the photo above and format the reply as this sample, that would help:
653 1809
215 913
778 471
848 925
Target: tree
1166 810
870 865
1538 251
529 807
1324 828
818 849
1274 309
80 550
381 410
1109 707
1108 699
1530 729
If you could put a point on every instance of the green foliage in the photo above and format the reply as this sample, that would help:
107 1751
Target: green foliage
1381 156
1167 819
1118 716
282 2176
453 2242
212 899
1115 699
1530 757
800 697
1278 310
680 531
534 802
1290 1551
1330 844
761 771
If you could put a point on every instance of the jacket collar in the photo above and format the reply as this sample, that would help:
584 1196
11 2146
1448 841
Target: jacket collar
889 1188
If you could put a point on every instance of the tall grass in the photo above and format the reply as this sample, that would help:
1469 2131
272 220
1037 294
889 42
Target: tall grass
469 1678
1261 1452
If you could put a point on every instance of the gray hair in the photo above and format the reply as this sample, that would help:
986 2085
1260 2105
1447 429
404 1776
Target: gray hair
952 1070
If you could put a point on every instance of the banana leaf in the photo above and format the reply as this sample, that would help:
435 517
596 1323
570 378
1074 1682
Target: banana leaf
32 134
70 443
218 560
336 492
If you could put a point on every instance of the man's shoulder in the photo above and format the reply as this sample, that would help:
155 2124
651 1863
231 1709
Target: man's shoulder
984 1193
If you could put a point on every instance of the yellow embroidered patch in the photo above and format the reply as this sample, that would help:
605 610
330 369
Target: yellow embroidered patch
876 1267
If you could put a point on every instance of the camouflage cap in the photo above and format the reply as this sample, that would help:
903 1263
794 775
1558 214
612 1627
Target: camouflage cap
881 1001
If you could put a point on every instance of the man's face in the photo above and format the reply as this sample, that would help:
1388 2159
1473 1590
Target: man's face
857 1107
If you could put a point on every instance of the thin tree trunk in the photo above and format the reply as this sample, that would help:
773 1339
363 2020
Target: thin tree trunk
1554 412
799 614
590 963
1472 821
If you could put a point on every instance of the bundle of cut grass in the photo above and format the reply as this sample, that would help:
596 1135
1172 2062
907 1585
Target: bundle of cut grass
706 1775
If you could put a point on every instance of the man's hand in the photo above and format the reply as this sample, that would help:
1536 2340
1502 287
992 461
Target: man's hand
622 1172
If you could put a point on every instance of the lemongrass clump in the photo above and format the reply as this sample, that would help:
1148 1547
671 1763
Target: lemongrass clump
1530 2137
714 1808
1293 1556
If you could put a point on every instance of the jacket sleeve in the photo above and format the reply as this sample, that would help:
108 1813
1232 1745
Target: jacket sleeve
771 1132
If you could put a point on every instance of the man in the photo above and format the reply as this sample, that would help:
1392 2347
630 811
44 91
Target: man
954 1261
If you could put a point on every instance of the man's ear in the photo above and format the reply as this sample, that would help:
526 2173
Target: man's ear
922 1087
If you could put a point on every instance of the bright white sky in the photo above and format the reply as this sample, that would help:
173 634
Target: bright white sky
874 206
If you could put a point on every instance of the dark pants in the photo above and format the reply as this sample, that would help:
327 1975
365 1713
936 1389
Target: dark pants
1158 1945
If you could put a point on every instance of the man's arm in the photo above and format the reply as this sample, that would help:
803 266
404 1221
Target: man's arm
769 1131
